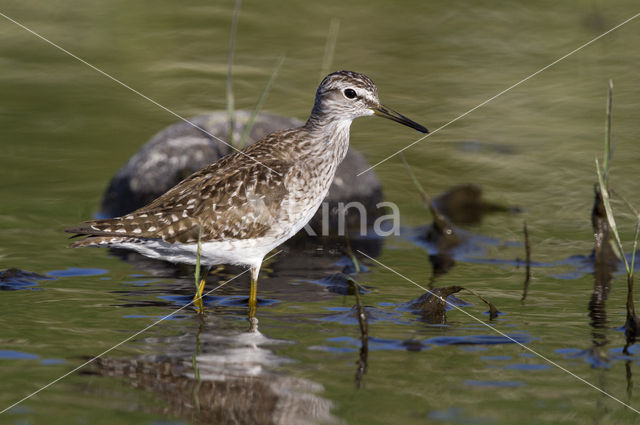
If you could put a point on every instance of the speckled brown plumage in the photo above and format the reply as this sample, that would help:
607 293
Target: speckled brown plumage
219 198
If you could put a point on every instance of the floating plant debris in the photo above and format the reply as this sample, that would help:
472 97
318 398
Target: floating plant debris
432 305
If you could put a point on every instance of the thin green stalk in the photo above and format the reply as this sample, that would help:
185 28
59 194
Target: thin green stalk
631 207
263 97
232 46
612 222
493 310
198 251
425 197
635 239
354 260
635 249
330 47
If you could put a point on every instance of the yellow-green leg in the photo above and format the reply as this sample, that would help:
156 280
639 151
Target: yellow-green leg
197 298
200 280
253 298
203 281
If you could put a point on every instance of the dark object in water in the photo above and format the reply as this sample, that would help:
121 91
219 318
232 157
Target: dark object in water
14 279
432 305
605 263
605 259
181 149
441 233
464 204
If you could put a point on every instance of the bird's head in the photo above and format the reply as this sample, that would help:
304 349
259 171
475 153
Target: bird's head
349 95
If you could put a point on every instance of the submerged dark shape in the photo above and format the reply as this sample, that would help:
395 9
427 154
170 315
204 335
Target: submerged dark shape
14 279
632 323
461 204
433 305
444 235
464 204
339 283
181 149
441 233
413 345
604 258
605 264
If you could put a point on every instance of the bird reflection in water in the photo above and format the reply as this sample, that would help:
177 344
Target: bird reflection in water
226 378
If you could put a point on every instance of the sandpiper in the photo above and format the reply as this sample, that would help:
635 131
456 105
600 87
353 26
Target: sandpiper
247 203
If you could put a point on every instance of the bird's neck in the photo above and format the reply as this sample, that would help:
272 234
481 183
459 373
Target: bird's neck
328 138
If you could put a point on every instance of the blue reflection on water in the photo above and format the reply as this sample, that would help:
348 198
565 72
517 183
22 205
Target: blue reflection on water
498 384
77 272
351 344
17 355
527 366
455 415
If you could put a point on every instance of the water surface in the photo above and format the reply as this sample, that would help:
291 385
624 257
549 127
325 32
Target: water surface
66 129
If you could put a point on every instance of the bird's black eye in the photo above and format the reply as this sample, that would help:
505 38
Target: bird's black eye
350 93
